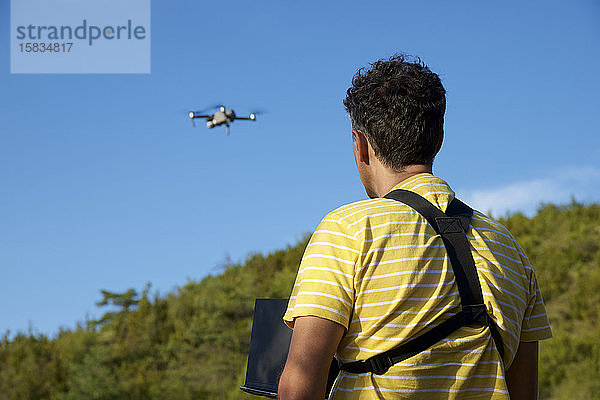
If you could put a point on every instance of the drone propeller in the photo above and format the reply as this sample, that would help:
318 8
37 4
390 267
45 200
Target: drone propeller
191 116
253 114
218 106
207 110
251 117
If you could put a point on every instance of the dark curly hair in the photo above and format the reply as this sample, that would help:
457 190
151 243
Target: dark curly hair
399 105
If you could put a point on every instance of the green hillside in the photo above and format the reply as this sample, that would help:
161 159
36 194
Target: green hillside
191 344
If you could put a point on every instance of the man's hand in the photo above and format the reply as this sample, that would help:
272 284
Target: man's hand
522 376
313 345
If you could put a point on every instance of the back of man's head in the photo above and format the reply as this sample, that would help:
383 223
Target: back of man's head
399 105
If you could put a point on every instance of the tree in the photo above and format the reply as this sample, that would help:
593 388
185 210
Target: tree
124 300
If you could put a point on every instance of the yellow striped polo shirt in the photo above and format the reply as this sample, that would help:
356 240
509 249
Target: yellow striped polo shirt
380 270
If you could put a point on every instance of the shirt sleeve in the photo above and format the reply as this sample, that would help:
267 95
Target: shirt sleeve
324 285
535 320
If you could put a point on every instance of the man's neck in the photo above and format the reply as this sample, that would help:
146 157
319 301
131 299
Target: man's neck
387 178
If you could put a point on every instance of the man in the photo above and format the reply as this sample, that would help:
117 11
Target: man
375 274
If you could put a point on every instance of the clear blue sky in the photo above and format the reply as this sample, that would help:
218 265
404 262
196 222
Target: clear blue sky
104 184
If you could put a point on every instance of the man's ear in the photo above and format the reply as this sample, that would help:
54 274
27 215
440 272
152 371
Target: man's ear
360 145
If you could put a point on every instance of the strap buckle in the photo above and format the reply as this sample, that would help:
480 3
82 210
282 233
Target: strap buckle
475 314
379 364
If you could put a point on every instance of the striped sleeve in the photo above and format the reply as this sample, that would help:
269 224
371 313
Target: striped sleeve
324 285
535 320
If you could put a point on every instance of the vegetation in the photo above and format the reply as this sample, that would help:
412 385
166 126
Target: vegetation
192 344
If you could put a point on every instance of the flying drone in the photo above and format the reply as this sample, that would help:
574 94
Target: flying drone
224 116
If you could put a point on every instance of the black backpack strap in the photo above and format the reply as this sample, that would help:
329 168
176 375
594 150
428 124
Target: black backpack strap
452 227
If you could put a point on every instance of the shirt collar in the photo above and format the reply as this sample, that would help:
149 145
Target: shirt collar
431 187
